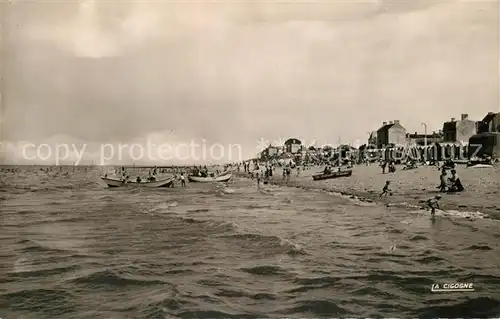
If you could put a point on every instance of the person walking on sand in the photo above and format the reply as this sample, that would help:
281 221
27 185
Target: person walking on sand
386 189
384 165
433 203
258 180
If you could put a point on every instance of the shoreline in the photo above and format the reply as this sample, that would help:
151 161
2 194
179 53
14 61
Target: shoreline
410 188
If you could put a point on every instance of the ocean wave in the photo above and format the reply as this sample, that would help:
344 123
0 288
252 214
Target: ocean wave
265 270
256 206
317 308
393 277
33 246
480 307
54 220
27 212
165 308
199 210
43 272
373 291
110 278
479 247
44 302
107 198
240 293
418 238
215 227
485 278
264 241
431 260
306 284
212 314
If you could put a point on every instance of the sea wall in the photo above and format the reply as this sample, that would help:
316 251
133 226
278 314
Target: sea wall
409 187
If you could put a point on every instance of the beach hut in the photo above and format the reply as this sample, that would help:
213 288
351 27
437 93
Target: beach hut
451 150
484 144
293 145
433 151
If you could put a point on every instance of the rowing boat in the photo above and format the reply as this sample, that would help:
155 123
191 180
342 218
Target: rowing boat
322 176
221 178
115 182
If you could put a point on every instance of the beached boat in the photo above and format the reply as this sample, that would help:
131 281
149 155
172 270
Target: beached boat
221 178
116 182
480 165
337 174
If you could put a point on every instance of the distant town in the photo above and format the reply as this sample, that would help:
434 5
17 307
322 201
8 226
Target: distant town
458 139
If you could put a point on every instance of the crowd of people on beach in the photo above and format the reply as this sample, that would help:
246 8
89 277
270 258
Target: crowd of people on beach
448 183
449 180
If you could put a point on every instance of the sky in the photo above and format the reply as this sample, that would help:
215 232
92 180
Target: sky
243 72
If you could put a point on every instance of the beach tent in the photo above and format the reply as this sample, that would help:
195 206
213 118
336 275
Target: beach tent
451 150
485 144
433 151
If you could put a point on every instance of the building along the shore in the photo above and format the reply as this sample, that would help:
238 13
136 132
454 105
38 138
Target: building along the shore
487 141
372 139
485 144
490 123
392 133
459 130
456 135
417 139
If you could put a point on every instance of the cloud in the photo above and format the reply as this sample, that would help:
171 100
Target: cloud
236 72
89 33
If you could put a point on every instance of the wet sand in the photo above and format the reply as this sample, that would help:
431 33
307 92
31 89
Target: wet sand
410 188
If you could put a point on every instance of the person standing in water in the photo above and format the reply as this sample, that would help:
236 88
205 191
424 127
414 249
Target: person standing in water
183 180
433 203
386 189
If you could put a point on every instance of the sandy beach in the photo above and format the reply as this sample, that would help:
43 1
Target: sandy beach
409 187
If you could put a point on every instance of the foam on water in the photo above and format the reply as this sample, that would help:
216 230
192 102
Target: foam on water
452 213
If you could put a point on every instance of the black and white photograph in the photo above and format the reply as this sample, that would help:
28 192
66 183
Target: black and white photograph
244 159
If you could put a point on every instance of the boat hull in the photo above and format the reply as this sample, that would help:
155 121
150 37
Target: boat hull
320 177
111 182
480 166
218 179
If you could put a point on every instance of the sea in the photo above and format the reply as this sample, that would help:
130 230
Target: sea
72 248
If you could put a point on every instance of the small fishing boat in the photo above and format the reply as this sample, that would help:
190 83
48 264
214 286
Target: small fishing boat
116 182
337 174
221 178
